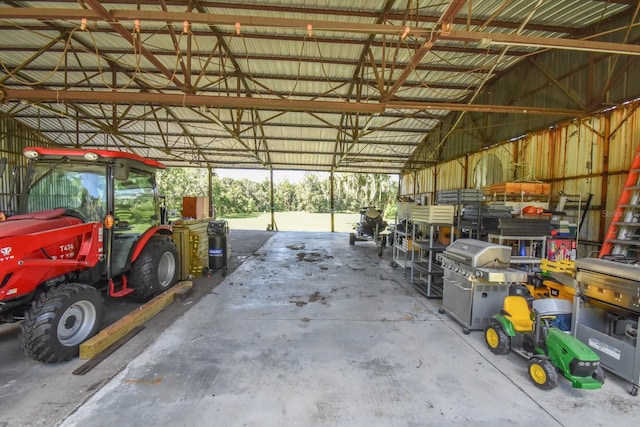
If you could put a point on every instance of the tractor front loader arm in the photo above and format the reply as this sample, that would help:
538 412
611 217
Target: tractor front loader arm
28 260
75 247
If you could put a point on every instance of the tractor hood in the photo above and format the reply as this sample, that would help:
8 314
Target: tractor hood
19 225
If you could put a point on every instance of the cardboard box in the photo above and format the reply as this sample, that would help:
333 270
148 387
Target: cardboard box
181 239
561 249
407 244
190 237
195 207
444 235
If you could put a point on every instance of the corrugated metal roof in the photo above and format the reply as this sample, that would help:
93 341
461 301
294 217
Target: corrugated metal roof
325 86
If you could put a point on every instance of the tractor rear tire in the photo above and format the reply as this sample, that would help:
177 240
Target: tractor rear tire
543 373
59 320
496 338
155 270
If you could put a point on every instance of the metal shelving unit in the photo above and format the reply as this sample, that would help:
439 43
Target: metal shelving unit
402 246
426 271
534 245
468 208
402 242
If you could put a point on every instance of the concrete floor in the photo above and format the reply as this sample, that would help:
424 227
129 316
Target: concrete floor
37 394
309 331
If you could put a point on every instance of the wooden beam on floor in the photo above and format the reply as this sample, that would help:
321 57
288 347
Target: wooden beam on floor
117 330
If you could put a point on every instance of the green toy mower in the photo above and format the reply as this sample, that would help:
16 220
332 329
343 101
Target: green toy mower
548 349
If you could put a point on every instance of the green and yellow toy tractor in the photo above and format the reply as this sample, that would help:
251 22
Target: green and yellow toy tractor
548 349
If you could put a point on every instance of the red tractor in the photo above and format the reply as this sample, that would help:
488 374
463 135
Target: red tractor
89 224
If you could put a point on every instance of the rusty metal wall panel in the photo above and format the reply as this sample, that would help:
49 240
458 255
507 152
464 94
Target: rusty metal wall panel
13 139
492 165
624 141
473 171
572 157
423 182
625 136
575 149
451 175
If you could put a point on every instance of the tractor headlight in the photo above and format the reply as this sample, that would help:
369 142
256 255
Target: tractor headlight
581 363
90 156
31 154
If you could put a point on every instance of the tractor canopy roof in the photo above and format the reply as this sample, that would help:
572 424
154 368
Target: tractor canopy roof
105 156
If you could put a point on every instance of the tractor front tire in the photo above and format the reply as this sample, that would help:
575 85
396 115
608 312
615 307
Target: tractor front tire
496 338
59 320
352 239
155 270
599 375
543 373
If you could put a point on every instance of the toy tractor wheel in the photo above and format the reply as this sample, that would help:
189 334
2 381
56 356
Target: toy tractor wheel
352 239
543 373
496 338
60 320
155 270
599 375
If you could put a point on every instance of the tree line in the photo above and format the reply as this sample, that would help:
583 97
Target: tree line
312 194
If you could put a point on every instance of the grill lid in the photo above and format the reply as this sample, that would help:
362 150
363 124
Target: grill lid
610 268
478 253
611 282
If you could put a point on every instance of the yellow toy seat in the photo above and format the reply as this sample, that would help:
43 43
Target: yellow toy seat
517 311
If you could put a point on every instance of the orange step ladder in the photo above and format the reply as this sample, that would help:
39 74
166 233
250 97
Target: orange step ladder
623 237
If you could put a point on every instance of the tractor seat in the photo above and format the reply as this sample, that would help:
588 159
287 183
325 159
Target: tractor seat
517 311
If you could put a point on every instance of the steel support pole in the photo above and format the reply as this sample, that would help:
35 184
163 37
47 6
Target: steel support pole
272 201
212 213
332 202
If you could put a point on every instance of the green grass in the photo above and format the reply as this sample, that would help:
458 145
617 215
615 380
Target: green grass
293 221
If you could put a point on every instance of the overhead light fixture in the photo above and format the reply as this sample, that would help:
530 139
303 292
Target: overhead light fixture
405 33
484 43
